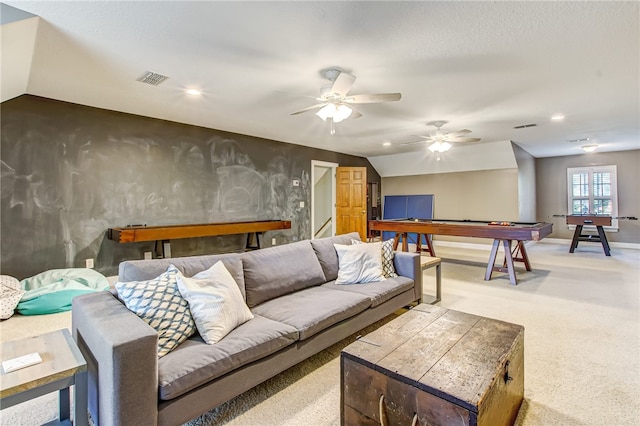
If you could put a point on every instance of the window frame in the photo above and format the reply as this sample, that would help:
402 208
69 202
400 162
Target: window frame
590 170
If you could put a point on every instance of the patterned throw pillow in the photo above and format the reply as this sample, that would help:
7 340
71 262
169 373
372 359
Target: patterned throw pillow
10 294
159 303
388 270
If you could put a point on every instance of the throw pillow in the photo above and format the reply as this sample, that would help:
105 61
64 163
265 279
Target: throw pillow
158 302
10 293
388 270
215 302
359 263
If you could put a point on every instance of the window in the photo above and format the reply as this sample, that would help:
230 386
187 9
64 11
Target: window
593 190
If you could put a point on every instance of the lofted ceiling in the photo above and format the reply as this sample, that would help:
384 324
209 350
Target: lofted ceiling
483 66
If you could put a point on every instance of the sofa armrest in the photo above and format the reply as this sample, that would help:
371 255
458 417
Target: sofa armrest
121 351
408 265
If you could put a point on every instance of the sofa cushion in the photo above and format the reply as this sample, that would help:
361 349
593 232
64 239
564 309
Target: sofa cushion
137 270
158 302
195 363
313 309
279 270
377 292
327 255
215 302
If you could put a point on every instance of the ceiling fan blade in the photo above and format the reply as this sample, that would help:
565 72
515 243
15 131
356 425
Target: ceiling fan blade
309 108
343 83
355 113
412 143
459 132
373 98
463 140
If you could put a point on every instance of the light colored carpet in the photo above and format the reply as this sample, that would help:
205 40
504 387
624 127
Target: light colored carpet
581 314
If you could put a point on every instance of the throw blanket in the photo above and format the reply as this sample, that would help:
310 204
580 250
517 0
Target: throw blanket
52 291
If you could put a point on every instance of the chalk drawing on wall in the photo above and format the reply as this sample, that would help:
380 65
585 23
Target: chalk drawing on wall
240 192
70 172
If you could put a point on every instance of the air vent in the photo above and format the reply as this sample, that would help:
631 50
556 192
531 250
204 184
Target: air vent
524 126
578 140
152 78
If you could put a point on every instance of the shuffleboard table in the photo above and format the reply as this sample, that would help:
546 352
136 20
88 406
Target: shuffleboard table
139 233
501 232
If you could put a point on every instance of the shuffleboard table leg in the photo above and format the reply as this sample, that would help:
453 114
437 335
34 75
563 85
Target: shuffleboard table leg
519 255
492 260
432 252
509 259
396 239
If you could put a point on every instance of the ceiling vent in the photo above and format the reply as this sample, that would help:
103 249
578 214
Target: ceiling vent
524 126
152 78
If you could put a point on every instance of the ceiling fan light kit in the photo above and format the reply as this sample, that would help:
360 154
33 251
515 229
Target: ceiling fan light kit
439 147
335 112
441 140
589 148
334 102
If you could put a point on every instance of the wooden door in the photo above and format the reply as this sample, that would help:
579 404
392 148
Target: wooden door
351 201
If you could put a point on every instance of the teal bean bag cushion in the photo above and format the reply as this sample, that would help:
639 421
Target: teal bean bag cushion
52 291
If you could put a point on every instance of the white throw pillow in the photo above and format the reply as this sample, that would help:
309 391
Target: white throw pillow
388 270
359 263
158 302
216 303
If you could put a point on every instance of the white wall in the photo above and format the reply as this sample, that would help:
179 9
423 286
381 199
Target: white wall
18 40
526 184
460 158
477 195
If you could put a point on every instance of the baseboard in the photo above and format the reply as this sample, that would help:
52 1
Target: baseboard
567 242
561 241
458 244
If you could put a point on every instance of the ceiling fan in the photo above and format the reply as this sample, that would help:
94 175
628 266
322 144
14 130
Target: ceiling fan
335 102
441 140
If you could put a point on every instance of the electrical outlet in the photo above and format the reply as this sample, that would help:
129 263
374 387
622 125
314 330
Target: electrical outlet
302 204
148 255
89 263
273 241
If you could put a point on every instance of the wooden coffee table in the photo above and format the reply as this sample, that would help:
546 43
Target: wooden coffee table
434 366
62 366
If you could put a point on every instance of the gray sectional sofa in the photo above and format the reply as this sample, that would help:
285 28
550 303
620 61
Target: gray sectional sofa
298 311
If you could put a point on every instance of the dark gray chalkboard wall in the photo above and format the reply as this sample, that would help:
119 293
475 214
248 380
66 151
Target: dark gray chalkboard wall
70 172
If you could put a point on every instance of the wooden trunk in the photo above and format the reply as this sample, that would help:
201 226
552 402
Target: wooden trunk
445 367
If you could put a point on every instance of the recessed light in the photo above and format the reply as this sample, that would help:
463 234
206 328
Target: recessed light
194 92
386 144
557 117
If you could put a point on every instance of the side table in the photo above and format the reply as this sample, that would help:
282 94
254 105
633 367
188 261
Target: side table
430 262
62 366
